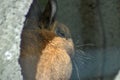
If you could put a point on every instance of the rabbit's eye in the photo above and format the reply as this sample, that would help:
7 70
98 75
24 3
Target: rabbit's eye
60 33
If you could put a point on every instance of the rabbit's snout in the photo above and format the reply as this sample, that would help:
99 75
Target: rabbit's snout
63 39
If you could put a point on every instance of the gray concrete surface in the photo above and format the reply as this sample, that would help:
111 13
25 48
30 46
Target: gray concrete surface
12 16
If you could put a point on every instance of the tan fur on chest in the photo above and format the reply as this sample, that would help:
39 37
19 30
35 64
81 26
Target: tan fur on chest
46 47
48 54
54 61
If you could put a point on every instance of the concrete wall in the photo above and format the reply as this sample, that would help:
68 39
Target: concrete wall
12 16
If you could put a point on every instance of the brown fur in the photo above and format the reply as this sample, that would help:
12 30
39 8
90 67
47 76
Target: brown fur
44 55
46 48
55 63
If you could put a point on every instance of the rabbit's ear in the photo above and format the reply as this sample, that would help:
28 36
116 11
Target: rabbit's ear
49 14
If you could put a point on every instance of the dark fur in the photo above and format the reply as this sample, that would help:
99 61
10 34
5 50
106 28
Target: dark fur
46 49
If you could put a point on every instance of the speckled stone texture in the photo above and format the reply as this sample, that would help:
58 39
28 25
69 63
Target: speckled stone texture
12 16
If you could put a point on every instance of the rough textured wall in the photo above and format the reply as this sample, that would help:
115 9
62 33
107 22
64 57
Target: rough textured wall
12 16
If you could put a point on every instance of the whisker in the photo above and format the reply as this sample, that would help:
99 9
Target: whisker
75 65
89 44
82 55
82 59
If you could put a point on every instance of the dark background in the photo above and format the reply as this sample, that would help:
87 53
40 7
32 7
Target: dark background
95 29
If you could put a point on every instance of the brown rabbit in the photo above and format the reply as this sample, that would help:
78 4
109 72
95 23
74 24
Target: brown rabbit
45 51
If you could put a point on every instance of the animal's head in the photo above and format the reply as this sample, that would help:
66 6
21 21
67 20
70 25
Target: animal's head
46 50
55 61
48 21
